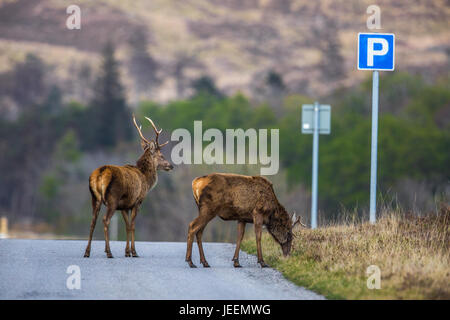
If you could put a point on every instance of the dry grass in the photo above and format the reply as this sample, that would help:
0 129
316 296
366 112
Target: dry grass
412 253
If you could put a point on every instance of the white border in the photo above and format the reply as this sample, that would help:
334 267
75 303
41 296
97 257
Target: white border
393 55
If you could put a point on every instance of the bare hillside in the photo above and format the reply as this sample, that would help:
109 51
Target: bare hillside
312 43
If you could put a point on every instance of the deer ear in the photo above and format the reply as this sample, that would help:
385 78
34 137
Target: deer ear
144 145
152 146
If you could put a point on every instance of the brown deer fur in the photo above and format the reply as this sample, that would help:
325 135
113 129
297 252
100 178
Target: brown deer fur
247 199
124 188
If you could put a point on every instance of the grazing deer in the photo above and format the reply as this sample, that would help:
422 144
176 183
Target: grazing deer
247 199
124 188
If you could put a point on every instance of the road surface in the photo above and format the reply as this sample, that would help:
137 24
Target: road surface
37 269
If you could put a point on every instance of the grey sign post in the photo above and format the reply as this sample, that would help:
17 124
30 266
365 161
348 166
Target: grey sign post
373 149
316 120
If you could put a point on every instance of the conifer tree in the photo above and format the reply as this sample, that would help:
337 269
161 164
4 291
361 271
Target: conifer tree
110 115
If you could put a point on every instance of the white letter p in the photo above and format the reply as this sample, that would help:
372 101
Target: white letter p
371 49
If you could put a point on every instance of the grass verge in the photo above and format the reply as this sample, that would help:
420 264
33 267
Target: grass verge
412 253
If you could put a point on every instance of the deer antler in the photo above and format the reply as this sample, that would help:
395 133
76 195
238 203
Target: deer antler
297 220
139 128
157 132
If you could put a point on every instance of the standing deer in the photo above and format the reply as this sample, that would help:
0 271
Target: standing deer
247 199
124 188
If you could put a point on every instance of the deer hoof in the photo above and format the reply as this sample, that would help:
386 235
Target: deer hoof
135 255
237 265
127 254
263 264
191 265
109 255
87 254
205 264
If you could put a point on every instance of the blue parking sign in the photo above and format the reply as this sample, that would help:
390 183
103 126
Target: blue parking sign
376 51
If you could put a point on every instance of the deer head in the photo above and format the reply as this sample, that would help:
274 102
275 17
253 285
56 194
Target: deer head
152 148
286 245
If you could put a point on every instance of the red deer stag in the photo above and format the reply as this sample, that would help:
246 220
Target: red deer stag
247 199
124 188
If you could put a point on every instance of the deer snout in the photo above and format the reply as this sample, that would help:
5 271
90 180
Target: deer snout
164 164
286 248
168 167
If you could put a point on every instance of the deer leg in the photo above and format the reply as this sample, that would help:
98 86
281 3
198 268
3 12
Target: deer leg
257 220
132 225
96 204
194 227
190 240
199 235
200 248
127 224
106 222
240 235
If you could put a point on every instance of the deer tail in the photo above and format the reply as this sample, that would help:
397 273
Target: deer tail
195 192
99 183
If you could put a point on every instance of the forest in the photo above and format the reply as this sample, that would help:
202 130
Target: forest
50 144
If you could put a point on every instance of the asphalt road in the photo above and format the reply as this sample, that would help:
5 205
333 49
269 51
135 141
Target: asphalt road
37 269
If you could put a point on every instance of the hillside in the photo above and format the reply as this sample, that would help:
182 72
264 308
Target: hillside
311 43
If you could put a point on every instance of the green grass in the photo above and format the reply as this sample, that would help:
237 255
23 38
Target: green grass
412 254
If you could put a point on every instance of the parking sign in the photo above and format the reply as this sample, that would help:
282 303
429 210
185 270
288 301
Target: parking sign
376 51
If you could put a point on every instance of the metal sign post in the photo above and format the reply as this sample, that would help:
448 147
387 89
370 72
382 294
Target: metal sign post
373 153
376 51
316 120
315 167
